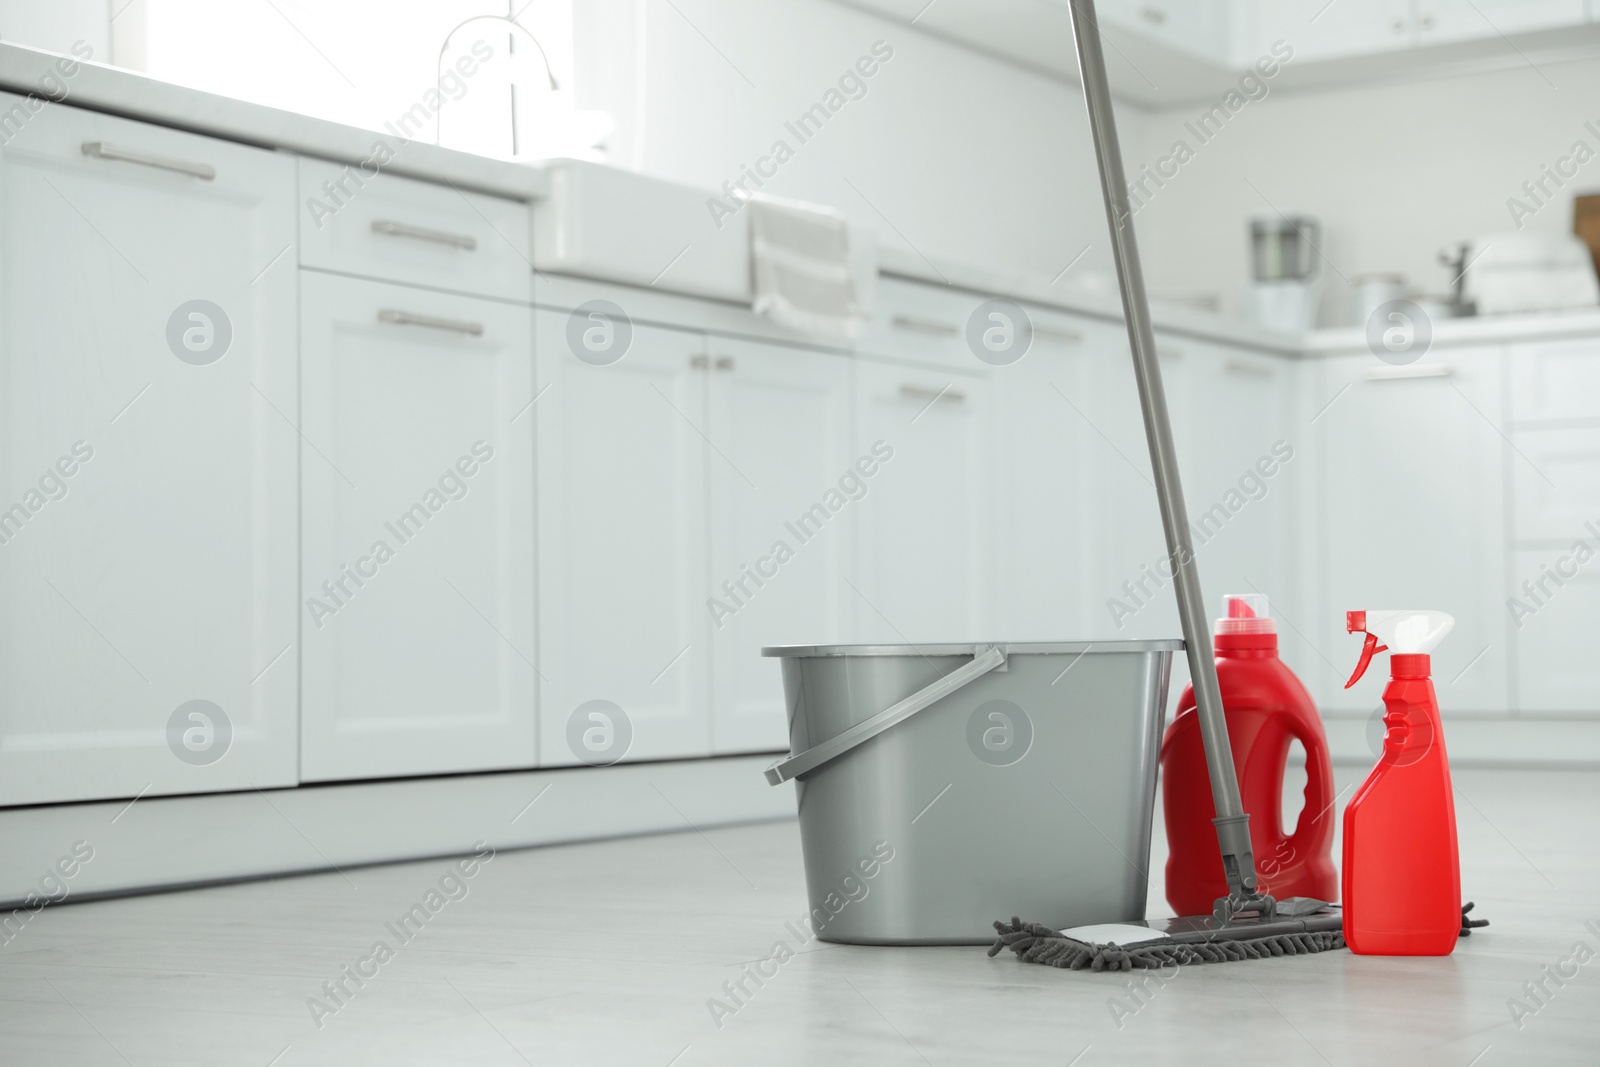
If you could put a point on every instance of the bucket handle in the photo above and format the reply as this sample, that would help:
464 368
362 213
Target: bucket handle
837 745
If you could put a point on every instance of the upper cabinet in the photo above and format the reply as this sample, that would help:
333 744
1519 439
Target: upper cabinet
1162 53
1326 31
1442 21
1201 27
1318 30
149 431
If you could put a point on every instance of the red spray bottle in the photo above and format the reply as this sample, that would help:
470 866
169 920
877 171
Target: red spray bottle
1266 707
1402 873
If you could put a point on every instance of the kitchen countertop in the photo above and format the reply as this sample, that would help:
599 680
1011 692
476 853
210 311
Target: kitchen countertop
935 270
132 95
1486 329
1489 329
129 94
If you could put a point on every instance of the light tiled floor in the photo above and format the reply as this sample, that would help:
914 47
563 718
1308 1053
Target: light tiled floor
607 953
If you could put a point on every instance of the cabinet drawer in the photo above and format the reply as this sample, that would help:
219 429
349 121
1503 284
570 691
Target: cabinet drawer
924 323
1556 480
398 229
929 324
1556 380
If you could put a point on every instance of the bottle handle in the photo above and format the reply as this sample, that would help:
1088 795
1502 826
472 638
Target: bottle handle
1319 796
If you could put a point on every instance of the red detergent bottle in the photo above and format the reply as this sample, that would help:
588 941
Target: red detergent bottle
1402 871
1266 707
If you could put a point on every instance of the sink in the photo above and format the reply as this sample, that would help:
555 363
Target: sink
621 226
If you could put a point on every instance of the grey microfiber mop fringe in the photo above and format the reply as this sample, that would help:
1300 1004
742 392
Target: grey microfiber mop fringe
1039 944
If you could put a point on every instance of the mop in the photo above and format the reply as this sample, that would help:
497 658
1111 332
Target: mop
1248 923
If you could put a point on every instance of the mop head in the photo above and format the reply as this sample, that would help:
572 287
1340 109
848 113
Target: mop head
1146 948
1039 944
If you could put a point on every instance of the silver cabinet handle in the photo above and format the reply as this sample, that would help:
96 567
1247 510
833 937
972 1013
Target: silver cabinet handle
699 362
1248 370
100 150
406 318
1056 333
933 326
1409 370
391 228
724 363
923 392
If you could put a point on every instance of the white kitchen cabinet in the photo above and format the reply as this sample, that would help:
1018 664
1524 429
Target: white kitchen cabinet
1410 513
1316 29
1319 30
1442 21
928 536
148 402
1241 470
417 581
1553 631
1200 27
1555 381
622 461
404 230
1555 480
1046 515
1130 596
922 323
784 491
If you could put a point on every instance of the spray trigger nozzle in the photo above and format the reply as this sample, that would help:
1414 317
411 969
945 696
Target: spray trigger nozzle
1410 632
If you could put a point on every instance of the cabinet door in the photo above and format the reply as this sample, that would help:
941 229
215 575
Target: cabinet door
1046 521
1241 471
147 462
1200 27
784 492
625 637
1323 31
1130 597
1554 629
927 527
417 600
1555 483
1439 21
1555 380
1410 513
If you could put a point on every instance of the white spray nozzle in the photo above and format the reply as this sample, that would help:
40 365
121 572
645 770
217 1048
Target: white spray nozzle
1403 632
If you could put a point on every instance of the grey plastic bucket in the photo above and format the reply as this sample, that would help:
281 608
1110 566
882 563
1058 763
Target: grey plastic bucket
942 787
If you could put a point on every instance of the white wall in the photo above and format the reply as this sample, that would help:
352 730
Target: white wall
955 153
949 152
1395 172
56 25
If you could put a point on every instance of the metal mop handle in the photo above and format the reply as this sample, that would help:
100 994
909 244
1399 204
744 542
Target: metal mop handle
1233 825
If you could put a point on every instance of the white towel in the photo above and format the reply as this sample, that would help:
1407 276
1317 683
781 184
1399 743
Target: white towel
802 268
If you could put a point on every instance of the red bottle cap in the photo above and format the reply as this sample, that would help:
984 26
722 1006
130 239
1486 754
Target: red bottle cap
1410 665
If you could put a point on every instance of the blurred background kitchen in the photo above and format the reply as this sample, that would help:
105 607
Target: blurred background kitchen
1374 127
